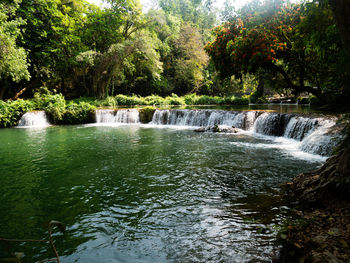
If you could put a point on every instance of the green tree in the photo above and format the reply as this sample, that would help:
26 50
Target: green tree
13 59
281 39
101 29
51 39
190 60
198 13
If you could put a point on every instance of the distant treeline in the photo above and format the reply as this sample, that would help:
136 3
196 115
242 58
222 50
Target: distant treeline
262 49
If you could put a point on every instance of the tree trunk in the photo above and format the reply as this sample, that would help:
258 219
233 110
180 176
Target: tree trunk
260 89
341 11
295 88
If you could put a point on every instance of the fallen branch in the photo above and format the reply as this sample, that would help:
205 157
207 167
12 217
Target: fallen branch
19 94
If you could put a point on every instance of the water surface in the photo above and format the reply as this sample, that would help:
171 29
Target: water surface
278 108
143 194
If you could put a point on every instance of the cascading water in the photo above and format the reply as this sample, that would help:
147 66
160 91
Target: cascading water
117 116
271 123
321 140
34 119
204 118
311 135
298 127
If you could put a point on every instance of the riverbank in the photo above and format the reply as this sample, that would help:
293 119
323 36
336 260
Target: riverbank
321 232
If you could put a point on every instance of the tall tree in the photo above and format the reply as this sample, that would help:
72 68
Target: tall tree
51 37
282 39
13 59
341 10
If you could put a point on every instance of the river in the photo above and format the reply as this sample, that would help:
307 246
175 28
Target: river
145 193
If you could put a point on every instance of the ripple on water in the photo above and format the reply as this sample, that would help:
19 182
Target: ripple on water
140 194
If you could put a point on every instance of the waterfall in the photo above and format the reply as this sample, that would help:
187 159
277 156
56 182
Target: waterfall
321 140
34 119
315 134
204 118
117 116
271 123
311 135
298 127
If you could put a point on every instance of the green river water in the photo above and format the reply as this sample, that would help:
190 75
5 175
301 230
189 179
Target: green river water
142 194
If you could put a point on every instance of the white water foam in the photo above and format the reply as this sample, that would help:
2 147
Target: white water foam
303 137
287 146
33 119
117 116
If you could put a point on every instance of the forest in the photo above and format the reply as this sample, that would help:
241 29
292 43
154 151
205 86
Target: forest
154 137
182 47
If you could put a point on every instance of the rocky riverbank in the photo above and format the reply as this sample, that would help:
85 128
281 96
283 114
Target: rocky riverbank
321 232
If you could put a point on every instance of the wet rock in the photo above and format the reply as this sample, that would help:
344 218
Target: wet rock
202 129
227 130
217 128
323 195
343 165
327 181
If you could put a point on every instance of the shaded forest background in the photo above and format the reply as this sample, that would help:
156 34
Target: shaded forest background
182 47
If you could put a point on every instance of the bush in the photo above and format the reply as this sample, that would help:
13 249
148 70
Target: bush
42 101
153 100
90 100
236 101
208 100
56 108
12 111
174 100
124 100
78 113
190 99
146 114
109 101
303 100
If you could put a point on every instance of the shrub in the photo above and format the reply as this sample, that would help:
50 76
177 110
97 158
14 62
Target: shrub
78 113
240 101
303 100
153 100
190 99
12 111
109 101
90 100
236 101
124 100
146 114
56 108
174 100
42 101
261 100
208 100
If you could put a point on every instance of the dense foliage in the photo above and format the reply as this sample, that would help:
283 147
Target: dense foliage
296 46
83 50
262 49
81 110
